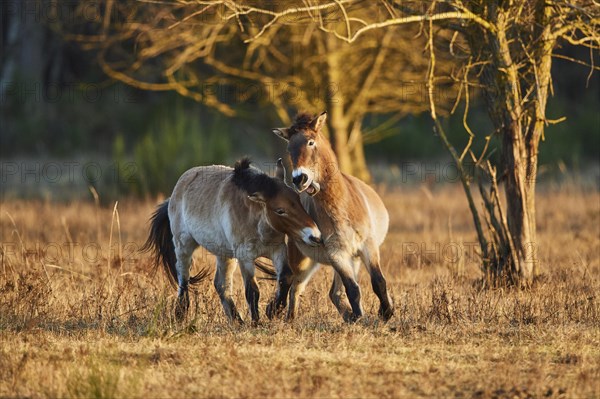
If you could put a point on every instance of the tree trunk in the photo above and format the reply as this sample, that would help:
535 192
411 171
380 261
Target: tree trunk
338 135
520 166
351 156
336 118
20 55
521 123
357 153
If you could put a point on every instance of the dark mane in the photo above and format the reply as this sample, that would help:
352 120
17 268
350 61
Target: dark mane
303 121
252 180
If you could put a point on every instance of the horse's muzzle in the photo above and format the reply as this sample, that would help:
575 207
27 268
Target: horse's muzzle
300 181
311 236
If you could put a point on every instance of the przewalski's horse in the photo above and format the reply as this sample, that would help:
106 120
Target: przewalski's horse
352 218
239 213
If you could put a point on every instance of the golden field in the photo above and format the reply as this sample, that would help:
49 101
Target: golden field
84 314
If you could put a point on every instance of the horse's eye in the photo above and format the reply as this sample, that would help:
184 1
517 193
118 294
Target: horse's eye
311 143
280 211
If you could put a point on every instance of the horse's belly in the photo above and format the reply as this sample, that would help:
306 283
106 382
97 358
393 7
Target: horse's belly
214 243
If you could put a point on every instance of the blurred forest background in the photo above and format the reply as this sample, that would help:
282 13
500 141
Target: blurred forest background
69 122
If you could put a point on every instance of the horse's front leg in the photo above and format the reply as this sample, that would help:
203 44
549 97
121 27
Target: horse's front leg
284 282
343 265
250 287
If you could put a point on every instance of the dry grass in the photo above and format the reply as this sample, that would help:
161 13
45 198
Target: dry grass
83 315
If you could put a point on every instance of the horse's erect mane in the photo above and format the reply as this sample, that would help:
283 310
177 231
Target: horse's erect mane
253 180
303 121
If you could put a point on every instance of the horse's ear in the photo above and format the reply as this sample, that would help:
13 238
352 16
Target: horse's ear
282 132
257 197
318 123
280 170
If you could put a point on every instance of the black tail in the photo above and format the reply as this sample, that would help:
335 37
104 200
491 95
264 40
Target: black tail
160 242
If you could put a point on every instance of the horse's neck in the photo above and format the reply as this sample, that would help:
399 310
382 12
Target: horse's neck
333 197
255 219
268 234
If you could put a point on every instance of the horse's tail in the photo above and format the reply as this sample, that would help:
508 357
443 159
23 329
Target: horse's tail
160 242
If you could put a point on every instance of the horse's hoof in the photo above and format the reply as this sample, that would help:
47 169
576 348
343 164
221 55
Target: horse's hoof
386 313
256 323
180 314
290 317
270 311
351 318
180 317
274 311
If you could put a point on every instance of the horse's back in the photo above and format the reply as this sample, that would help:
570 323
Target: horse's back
199 185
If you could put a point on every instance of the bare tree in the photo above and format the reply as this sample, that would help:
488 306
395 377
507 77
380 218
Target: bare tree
200 48
511 46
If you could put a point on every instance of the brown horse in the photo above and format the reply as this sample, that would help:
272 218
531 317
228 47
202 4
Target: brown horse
351 216
239 213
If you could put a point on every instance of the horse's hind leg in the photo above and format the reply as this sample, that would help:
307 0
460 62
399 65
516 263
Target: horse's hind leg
184 248
301 278
224 286
302 268
370 257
